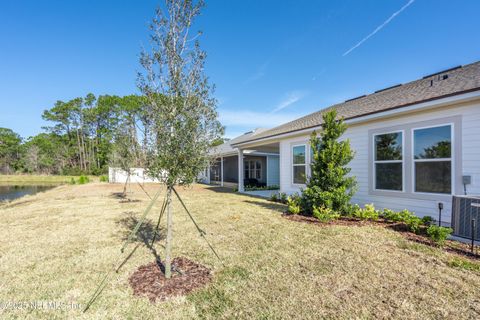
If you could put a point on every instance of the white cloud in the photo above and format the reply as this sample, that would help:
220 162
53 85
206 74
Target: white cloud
290 99
380 27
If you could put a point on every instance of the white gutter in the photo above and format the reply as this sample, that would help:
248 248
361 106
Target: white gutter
382 114
245 152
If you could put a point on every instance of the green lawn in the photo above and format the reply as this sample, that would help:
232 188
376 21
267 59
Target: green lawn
38 179
55 246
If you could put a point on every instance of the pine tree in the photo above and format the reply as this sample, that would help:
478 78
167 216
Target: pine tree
329 184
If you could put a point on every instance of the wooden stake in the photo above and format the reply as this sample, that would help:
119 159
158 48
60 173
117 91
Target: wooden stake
168 246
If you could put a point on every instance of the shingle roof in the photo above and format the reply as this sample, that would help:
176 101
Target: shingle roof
435 86
226 147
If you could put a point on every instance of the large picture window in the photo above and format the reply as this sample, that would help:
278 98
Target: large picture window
388 161
299 162
432 153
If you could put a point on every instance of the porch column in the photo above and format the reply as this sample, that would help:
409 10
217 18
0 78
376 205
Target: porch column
240 171
221 171
208 173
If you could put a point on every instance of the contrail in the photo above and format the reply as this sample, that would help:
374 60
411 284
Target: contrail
291 98
380 27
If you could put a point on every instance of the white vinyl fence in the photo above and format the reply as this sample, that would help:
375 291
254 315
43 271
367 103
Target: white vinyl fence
117 175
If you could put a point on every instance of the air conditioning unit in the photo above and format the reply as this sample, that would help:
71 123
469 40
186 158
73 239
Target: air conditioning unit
464 210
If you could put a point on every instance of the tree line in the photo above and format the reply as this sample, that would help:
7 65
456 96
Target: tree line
84 136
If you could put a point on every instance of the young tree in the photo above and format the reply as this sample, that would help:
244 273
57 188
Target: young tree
329 184
125 153
184 117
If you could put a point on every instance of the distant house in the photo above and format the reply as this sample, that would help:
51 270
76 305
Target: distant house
259 167
118 175
413 142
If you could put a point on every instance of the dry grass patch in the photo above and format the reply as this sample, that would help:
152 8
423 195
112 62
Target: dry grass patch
55 246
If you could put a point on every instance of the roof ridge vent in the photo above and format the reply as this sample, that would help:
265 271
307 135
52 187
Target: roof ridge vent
443 71
385 89
356 98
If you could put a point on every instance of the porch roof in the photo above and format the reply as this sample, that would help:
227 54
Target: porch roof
226 148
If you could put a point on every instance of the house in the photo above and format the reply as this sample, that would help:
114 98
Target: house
414 143
260 167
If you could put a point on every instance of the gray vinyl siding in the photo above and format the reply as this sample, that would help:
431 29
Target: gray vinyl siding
467 137
273 170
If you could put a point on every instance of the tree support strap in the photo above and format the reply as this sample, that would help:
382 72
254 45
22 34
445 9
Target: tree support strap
103 283
141 221
144 190
164 206
120 263
200 231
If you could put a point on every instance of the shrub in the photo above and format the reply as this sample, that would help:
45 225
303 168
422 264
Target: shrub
325 214
351 210
367 213
259 188
414 223
439 234
293 205
103 178
409 218
402 216
406 215
283 197
427 220
329 184
83 180
274 197
72 181
391 215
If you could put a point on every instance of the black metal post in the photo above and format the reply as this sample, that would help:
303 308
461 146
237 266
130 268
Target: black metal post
473 234
440 207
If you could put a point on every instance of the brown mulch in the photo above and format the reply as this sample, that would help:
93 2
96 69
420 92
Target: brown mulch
455 247
342 221
149 280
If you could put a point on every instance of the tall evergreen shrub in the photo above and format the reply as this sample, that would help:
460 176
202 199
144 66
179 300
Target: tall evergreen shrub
329 185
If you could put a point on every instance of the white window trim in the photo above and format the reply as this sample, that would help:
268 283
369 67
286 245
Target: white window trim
252 170
374 162
298 165
451 159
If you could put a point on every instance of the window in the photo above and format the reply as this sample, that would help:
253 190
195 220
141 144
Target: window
432 154
299 162
253 169
388 161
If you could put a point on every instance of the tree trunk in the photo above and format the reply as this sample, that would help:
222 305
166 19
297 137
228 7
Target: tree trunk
125 185
168 245
79 150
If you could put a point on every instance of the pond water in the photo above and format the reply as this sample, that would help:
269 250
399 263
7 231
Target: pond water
11 192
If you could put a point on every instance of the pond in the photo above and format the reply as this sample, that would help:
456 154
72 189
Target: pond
12 192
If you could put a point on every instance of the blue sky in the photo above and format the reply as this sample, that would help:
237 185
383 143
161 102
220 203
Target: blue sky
271 61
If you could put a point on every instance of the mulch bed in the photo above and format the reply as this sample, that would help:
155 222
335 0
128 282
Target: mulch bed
342 221
149 280
456 247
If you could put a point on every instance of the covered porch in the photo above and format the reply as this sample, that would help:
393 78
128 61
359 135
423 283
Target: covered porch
258 168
